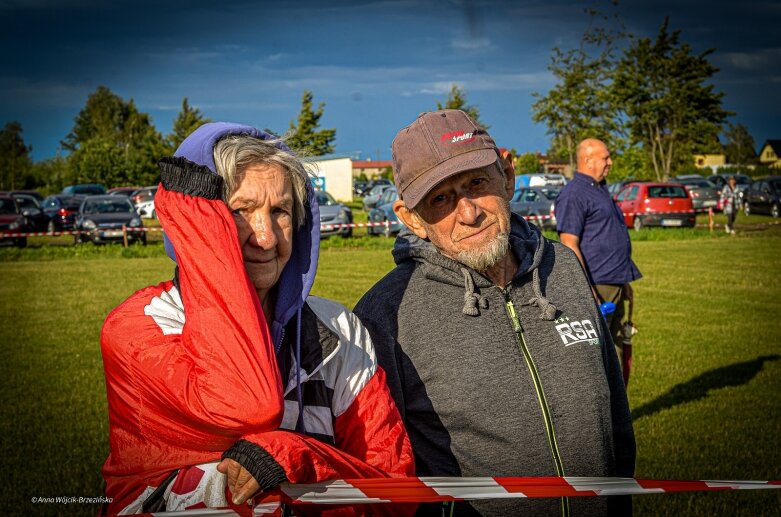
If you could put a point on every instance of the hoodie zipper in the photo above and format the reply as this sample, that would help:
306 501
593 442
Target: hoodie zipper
521 340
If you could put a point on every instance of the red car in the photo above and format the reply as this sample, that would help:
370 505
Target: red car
656 204
11 221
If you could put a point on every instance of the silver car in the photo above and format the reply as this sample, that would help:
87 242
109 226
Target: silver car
537 204
704 193
333 215
370 201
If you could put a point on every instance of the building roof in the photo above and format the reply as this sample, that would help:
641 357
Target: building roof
371 164
774 144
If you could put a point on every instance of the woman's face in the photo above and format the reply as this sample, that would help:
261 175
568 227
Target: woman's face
263 210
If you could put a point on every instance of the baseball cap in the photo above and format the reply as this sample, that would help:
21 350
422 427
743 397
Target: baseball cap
438 145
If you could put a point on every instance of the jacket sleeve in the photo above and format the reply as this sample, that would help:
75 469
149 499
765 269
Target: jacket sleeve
370 442
624 448
221 377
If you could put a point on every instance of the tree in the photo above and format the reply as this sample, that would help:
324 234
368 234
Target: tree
188 120
304 136
660 87
15 159
456 100
740 146
113 143
527 163
579 105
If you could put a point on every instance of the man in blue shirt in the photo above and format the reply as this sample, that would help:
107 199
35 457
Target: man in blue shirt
592 225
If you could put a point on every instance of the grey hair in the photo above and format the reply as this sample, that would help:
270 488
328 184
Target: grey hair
234 153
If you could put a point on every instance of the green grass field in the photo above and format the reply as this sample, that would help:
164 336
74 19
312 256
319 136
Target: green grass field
704 392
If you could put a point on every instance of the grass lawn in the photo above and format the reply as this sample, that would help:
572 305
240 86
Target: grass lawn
704 392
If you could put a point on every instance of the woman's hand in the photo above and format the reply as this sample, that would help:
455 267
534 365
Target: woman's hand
240 482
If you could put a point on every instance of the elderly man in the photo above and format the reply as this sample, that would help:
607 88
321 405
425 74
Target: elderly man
230 379
592 226
495 351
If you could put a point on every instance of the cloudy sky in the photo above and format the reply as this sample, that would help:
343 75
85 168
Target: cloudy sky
375 64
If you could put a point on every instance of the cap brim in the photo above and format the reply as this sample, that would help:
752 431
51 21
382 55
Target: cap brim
417 190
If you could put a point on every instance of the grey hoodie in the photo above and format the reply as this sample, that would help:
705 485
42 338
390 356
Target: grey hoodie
520 381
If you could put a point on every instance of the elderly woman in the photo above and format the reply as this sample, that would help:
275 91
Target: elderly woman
230 379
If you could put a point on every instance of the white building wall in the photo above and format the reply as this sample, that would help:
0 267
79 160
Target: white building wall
338 176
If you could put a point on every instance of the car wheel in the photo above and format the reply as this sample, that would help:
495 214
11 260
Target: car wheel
637 224
21 243
50 227
77 238
154 214
774 211
348 233
746 208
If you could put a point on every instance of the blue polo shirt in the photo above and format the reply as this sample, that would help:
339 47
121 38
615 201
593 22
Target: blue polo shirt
585 208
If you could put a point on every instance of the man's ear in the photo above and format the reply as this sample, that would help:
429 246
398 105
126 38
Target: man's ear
509 178
410 219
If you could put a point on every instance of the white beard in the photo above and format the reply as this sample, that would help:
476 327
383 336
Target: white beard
481 259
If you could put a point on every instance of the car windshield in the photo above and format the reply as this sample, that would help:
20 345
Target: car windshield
325 199
108 206
7 206
659 191
551 193
26 202
377 189
72 203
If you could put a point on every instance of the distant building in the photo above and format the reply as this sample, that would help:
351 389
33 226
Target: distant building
553 166
770 155
335 175
370 168
709 161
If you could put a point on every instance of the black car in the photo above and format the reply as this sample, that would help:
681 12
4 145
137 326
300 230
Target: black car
11 221
32 212
102 219
763 197
61 211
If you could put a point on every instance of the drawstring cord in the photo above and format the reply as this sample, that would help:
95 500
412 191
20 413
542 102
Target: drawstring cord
472 300
299 394
547 309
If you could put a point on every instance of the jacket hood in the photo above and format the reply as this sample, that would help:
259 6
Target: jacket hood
526 242
298 276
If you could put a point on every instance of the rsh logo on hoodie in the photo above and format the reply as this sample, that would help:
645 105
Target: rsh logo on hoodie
573 332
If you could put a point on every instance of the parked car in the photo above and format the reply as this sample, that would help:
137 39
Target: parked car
332 212
383 213
143 194
146 209
101 218
61 211
34 193
359 187
679 179
32 212
539 180
763 197
537 202
121 191
370 201
656 204
616 187
84 189
704 193
11 221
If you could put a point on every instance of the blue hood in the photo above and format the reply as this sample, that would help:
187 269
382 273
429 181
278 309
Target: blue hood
299 274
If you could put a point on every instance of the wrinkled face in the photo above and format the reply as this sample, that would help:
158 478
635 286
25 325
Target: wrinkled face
262 207
467 216
600 162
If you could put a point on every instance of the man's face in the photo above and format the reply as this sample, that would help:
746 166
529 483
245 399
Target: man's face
467 216
263 210
600 161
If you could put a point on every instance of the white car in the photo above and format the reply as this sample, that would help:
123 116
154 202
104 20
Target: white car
146 209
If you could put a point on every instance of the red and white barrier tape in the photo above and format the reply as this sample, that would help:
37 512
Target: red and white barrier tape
441 489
